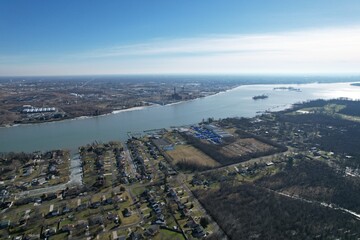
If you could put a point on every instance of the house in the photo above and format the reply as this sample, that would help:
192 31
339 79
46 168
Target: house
195 181
96 220
27 171
181 206
4 193
160 217
184 212
107 201
112 216
4 205
198 231
171 171
269 164
49 232
154 205
151 200
82 224
4 224
71 193
42 181
65 210
24 201
81 207
190 223
49 196
126 212
52 171
95 205
136 236
152 231
53 213
34 182
159 222
67 228
172 193
157 209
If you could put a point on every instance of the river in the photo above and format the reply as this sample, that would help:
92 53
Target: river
238 102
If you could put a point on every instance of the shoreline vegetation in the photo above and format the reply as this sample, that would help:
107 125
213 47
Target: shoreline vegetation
136 108
27 101
149 104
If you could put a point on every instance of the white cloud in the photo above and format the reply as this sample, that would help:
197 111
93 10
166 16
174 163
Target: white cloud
330 41
335 50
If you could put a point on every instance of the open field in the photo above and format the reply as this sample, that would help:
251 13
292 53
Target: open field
332 109
192 155
244 146
165 234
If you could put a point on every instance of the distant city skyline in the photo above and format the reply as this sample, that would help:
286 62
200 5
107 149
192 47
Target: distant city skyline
177 37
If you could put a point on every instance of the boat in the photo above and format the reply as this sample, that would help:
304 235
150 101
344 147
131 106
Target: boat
288 89
263 96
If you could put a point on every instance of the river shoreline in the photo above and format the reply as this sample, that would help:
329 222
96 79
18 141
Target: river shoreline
156 104
237 102
114 111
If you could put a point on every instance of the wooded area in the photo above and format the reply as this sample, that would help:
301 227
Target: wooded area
251 212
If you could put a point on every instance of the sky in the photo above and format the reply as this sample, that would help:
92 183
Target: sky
85 37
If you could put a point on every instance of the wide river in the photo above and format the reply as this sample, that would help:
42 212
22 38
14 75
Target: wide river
238 102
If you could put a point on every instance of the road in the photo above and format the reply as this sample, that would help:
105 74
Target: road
128 158
263 159
75 180
323 204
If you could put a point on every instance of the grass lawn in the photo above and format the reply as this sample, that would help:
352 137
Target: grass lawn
138 190
128 220
168 235
59 236
191 154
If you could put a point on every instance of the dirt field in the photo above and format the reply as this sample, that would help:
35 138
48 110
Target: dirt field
191 154
243 147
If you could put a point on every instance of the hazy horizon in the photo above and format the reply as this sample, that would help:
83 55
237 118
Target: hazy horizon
172 38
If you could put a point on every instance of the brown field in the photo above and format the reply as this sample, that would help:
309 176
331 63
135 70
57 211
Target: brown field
244 146
191 154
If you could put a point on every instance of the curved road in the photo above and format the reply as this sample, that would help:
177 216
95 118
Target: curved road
75 180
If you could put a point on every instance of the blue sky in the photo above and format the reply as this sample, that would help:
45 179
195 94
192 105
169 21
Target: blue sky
64 37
